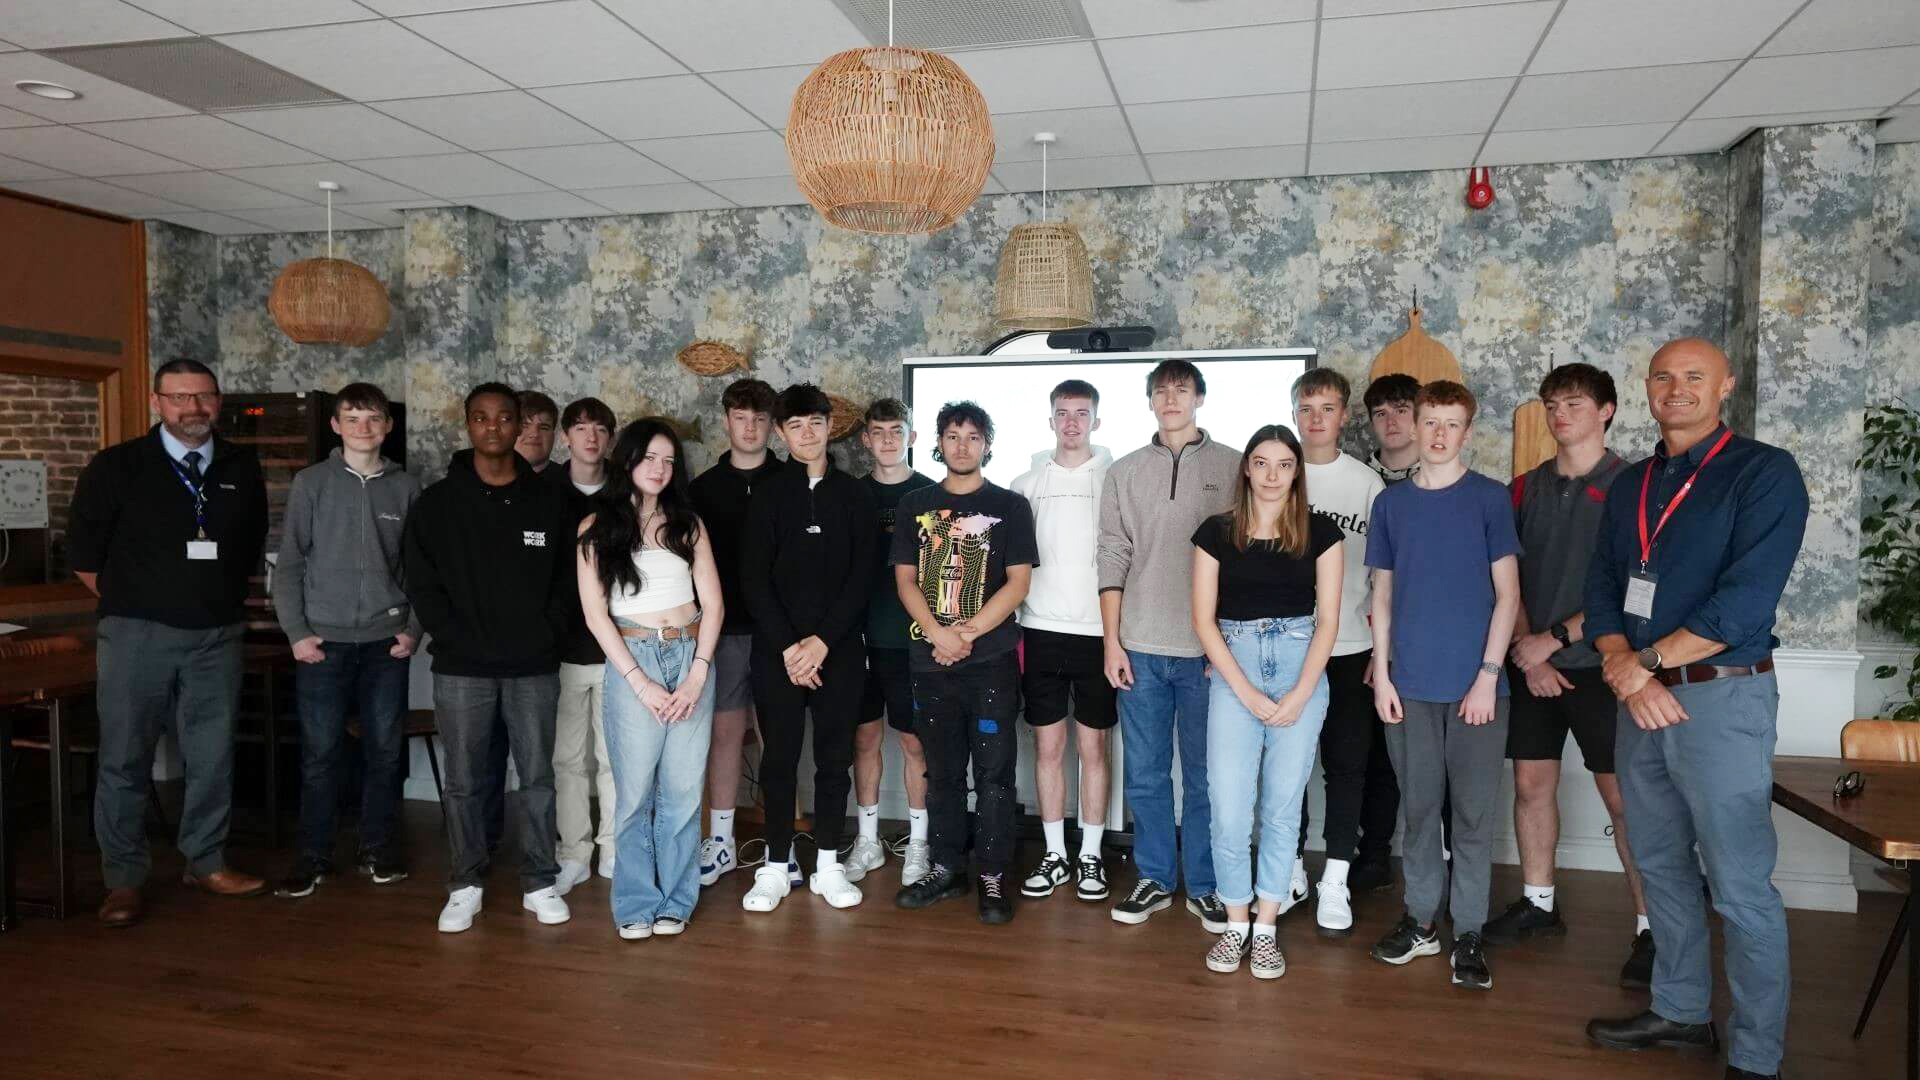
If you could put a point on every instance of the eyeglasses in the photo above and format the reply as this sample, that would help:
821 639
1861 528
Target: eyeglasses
181 401
1849 785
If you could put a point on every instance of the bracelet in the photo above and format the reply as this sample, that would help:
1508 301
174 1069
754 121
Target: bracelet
628 674
703 660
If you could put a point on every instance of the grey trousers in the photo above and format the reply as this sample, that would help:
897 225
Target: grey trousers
151 677
464 708
1435 753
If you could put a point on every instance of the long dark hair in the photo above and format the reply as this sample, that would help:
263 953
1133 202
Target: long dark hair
1293 516
615 531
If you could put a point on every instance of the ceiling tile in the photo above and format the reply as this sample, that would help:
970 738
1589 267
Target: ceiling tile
217 224
303 181
453 176
1246 163
1594 34
82 153
720 157
656 198
10 118
342 131
83 22
417 7
307 219
102 99
1172 126
1618 96
1430 46
1902 126
1212 63
1123 171
95 195
599 165
366 61
1393 155
1834 25
15 169
208 191
708 36
766 92
230 16
1712 136
1571 144
652 108
206 141
1779 84
1027 78
546 44
1082 132
391 215
1341 9
507 120
1122 18
1414 111
537 205
766 191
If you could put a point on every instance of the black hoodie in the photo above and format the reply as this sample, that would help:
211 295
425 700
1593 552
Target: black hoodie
490 572
807 558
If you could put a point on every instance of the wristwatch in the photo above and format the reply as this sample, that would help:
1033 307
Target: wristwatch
1559 632
1489 667
1650 658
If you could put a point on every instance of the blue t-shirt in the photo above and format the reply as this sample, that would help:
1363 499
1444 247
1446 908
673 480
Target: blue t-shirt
1441 546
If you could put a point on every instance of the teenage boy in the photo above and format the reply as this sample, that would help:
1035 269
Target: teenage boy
806 567
1151 503
337 592
490 570
1060 620
721 495
1446 585
963 555
1362 804
1389 403
587 428
539 423
887 433
1556 680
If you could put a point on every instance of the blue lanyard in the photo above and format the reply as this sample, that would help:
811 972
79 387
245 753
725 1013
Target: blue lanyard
199 492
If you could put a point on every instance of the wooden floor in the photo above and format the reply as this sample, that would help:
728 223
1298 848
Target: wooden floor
354 981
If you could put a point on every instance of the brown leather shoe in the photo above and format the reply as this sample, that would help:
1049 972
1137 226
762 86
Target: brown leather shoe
226 883
122 908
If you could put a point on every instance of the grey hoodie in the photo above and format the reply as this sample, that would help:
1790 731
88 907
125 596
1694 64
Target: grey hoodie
1149 508
339 576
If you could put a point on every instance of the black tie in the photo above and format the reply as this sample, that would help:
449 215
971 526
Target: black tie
192 459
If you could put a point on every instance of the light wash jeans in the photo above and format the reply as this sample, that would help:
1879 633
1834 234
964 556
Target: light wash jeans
657 775
1249 762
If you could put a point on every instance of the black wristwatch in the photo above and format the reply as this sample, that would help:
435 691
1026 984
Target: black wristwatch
1559 632
1650 658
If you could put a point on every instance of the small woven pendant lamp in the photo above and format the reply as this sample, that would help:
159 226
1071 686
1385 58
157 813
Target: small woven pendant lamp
1045 282
890 140
329 301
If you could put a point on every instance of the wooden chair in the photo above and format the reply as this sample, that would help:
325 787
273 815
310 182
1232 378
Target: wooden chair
420 724
1882 740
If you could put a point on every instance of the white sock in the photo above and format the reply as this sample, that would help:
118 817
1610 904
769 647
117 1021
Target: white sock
1056 836
1641 925
1238 928
870 822
1090 837
1540 895
916 825
722 825
828 859
1265 930
1335 873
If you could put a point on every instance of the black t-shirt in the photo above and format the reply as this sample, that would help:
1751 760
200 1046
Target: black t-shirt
1264 582
886 620
961 546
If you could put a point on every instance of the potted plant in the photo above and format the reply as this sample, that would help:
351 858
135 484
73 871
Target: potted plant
1890 538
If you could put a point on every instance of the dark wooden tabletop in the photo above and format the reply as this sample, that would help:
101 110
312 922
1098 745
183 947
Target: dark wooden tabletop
41 677
1883 820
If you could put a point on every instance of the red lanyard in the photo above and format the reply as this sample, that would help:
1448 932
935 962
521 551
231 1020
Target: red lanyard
1646 541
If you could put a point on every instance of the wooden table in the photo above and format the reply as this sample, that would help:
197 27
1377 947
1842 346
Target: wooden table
54 680
1883 821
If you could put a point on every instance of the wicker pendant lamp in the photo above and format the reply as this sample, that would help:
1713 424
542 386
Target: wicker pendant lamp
329 301
1045 282
890 140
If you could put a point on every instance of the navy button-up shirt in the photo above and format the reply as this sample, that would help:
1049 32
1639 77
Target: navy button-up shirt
1723 559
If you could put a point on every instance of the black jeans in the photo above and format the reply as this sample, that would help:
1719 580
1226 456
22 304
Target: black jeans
466 708
363 676
970 713
782 709
1363 798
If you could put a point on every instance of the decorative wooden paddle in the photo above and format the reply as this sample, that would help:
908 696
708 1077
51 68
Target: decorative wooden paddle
1415 353
1532 434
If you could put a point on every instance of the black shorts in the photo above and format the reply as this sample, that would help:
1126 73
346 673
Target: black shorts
1066 675
1537 727
889 689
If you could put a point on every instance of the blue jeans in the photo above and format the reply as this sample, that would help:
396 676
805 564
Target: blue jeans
362 675
1248 760
1169 695
657 775
1710 781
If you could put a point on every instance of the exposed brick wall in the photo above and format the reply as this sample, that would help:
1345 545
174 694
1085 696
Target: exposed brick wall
56 421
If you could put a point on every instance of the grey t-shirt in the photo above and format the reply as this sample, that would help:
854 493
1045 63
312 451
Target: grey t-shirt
1558 519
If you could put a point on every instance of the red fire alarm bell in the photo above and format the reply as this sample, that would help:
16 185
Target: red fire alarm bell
1480 188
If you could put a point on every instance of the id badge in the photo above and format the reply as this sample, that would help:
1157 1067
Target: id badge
1640 586
203 550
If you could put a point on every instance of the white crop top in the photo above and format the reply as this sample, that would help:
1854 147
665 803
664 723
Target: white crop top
666 582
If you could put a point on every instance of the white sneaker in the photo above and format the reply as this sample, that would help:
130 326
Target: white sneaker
635 931
916 862
833 887
866 855
1297 891
462 906
606 864
770 886
717 857
1334 916
546 906
571 874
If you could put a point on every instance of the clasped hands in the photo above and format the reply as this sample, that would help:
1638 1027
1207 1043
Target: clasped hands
952 644
1650 703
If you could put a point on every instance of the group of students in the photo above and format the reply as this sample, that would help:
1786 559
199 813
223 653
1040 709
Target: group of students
1408 622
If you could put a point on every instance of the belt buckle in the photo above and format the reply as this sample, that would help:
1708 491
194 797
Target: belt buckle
670 633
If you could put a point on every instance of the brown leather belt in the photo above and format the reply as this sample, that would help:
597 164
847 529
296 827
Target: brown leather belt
1699 673
661 633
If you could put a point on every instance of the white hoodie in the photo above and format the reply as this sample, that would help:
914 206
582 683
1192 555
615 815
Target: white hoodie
1064 596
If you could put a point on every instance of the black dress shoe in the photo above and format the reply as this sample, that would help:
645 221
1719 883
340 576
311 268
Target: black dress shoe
1734 1073
1651 1029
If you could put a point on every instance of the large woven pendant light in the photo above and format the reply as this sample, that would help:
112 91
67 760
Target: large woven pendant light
890 140
1045 282
329 301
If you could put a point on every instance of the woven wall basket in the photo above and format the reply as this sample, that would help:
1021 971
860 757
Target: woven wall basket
329 302
1045 282
846 417
890 140
711 358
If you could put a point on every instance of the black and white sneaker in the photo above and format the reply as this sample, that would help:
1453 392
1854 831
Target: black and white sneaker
1092 885
384 867
1470 963
307 875
1210 911
1227 953
1407 940
996 907
1147 897
939 884
1522 921
1052 873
